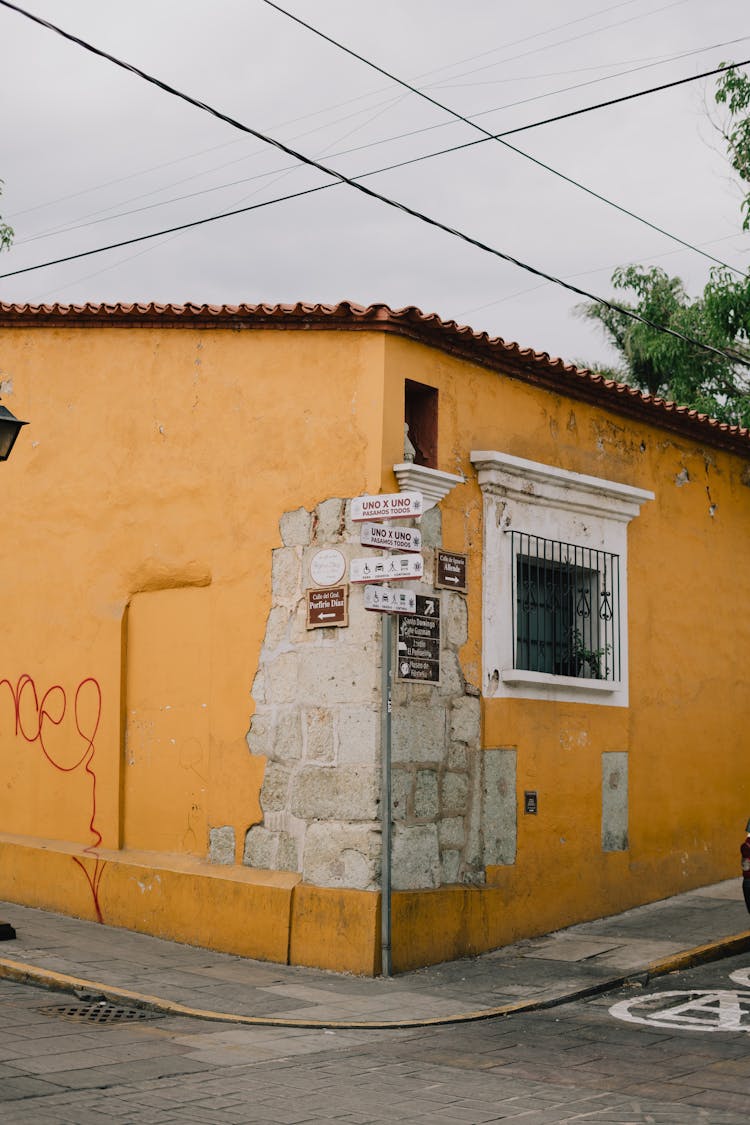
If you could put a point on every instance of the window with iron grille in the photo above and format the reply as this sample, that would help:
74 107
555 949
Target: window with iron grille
554 581
566 608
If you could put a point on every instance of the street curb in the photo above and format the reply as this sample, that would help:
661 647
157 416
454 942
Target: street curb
22 973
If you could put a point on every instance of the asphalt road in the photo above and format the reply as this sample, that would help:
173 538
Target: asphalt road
672 1052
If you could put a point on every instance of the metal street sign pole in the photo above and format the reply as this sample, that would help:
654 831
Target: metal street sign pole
385 802
366 509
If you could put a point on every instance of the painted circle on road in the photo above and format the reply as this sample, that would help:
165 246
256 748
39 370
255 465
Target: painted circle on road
698 1010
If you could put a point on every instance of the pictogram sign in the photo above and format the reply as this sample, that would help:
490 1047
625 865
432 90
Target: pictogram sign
386 568
383 600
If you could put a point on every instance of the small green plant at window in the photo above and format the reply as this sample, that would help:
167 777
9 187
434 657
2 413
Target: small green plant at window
582 657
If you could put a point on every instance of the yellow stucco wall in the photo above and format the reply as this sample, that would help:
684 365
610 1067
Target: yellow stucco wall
141 508
689 698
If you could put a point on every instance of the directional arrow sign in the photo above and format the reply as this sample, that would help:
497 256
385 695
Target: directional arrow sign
390 601
326 608
389 506
386 568
390 538
450 570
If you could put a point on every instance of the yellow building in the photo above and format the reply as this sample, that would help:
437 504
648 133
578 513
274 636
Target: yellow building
190 746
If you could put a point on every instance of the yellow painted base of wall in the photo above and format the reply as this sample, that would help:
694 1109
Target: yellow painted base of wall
273 916
266 915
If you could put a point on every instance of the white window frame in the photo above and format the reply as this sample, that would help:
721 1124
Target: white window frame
556 504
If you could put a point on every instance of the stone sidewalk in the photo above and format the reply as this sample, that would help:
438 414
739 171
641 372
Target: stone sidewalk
134 969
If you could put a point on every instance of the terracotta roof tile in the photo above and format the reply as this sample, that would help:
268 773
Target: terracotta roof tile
447 335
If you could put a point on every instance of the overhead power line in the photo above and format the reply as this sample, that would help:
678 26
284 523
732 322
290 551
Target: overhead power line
93 220
370 192
490 136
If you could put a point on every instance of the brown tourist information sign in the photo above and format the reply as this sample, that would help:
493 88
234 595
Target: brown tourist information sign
450 570
418 642
326 608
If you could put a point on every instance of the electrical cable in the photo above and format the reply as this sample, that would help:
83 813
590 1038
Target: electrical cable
370 192
386 168
489 136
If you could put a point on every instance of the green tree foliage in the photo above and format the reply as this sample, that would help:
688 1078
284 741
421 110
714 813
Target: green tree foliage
6 232
720 317
733 91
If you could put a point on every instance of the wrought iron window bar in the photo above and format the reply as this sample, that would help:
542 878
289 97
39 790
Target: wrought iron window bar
566 600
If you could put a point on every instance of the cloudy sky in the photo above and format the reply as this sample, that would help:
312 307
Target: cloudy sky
91 155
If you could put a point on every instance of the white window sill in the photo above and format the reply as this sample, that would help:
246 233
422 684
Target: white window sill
520 676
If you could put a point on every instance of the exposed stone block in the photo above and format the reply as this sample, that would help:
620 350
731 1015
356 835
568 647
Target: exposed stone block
287 737
401 792
335 793
499 806
261 848
258 690
329 521
221 845
426 795
342 855
287 857
282 678
286 573
260 735
318 728
296 528
274 791
416 859
358 735
418 733
615 801
431 525
276 627
451 865
465 719
338 674
455 619
451 676
451 832
454 794
458 757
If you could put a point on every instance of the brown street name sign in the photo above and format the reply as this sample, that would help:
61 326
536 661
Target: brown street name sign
450 570
326 608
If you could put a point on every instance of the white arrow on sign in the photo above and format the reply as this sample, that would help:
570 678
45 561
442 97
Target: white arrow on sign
390 538
386 568
390 601
389 506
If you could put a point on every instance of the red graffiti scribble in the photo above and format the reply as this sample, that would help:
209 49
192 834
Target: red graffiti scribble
51 709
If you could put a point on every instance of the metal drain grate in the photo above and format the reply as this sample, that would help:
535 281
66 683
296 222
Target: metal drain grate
99 1012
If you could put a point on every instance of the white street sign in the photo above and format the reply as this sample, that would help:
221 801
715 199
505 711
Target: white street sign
386 568
389 506
390 601
390 538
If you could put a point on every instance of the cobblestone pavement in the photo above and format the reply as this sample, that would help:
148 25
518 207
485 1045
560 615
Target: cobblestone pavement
573 1063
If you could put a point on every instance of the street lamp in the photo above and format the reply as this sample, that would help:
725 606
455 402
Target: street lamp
10 427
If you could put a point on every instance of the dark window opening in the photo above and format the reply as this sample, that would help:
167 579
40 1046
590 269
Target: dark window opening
566 601
421 417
